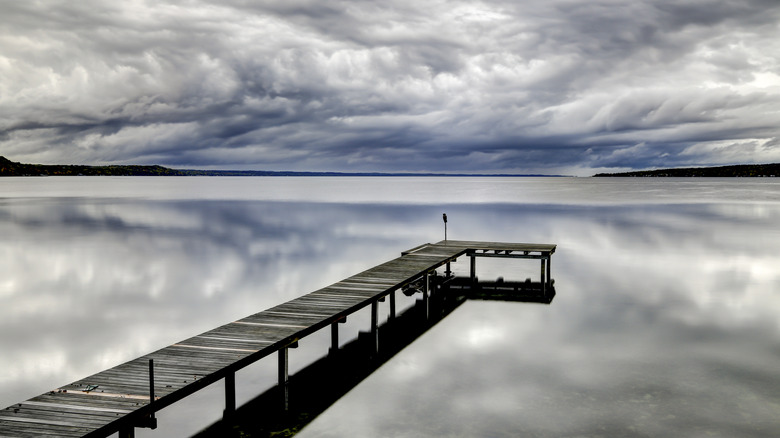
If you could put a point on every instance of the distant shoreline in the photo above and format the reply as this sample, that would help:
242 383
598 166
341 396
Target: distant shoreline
742 170
11 168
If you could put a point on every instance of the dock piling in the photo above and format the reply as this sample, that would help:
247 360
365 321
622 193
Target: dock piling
375 327
334 335
284 378
425 284
334 338
230 395
549 262
473 270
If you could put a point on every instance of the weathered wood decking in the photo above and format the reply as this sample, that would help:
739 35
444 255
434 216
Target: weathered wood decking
118 399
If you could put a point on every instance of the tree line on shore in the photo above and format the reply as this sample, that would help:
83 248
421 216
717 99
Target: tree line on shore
11 168
742 170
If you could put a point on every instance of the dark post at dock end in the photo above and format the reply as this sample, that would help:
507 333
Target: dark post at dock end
444 216
150 421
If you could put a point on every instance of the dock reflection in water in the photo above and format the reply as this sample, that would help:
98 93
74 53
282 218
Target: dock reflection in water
318 386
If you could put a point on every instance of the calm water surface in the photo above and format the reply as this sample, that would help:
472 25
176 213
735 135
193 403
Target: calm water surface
665 323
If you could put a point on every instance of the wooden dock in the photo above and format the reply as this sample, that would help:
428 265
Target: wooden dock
127 396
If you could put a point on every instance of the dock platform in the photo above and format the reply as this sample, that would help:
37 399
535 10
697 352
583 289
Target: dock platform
125 397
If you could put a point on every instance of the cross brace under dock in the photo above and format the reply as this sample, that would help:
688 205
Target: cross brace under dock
127 396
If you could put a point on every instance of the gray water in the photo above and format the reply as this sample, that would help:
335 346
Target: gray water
665 321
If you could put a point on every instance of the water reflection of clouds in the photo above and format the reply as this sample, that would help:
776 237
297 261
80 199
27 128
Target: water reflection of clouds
655 303
89 283
664 324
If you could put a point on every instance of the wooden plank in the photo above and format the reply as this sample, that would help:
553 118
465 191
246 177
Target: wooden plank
87 401
76 407
32 429
53 418
64 417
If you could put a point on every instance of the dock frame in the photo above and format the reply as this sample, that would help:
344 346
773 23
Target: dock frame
127 396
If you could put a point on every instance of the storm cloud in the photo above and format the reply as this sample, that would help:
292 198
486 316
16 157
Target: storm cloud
556 86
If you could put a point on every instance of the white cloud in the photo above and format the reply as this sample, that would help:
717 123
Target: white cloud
263 84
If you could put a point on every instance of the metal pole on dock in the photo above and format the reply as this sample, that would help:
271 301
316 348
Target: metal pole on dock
152 421
444 216
151 383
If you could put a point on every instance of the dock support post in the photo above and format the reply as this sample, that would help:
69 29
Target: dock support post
549 262
284 378
127 433
425 286
334 337
473 268
375 326
392 304
230 395
543 282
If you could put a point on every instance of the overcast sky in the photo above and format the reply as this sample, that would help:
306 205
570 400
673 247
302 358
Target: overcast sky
540 86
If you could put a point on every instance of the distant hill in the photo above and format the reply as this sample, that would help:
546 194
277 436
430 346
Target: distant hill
11 168
743 170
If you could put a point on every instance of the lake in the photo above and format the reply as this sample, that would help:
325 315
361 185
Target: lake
665 321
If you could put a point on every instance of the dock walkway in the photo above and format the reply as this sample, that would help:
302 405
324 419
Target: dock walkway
127 396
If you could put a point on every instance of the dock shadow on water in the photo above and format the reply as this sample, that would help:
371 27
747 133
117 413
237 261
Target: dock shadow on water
318 386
